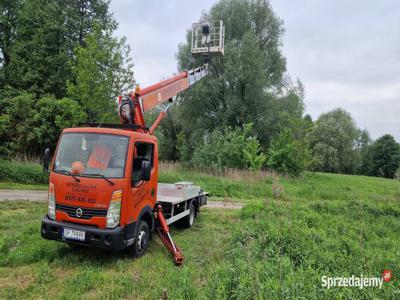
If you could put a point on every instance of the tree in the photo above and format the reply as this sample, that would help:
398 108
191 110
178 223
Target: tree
363 144
51 116
37 57
38 38
17 110
81 17
333 141
287 154
8 23
383 157
27 125
248 84
168 134
102 71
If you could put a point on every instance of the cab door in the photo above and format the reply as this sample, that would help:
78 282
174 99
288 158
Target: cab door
143 192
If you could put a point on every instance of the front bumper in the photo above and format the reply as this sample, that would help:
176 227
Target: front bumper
105 239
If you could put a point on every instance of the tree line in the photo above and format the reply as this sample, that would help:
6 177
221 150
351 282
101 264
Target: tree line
60 64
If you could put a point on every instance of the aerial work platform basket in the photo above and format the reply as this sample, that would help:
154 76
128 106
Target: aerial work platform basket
208 38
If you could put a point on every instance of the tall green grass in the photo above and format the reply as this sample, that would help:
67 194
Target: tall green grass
290 234
22 172
32 268
284 248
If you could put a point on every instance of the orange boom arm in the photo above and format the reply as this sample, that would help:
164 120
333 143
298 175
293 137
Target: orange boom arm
131 109
158 93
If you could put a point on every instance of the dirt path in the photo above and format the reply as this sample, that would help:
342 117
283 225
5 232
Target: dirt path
220 204
22 195
35 195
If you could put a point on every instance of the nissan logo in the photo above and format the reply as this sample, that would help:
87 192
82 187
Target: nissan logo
79 212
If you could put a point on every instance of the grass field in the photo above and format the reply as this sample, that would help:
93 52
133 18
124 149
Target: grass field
22 186
291 232
34 268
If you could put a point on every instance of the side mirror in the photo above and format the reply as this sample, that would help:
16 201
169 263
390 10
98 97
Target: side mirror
46 159
146 170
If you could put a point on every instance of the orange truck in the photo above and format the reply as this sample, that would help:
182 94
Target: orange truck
103 183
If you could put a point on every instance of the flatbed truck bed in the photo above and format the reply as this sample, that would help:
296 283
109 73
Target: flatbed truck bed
176 199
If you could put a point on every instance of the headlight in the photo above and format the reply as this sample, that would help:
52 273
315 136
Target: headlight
51 203
114 209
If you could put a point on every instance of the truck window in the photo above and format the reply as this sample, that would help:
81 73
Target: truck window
98 153
144 151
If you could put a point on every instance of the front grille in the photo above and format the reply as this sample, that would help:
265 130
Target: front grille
87 213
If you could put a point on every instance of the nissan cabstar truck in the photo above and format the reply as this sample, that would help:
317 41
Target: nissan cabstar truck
103 178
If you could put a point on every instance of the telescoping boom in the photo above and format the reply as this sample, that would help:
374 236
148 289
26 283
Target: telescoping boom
132 107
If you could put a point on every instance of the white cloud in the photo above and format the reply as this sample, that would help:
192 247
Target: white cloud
373 107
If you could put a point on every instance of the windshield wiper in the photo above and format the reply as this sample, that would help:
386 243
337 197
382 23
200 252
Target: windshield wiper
68 173
98 176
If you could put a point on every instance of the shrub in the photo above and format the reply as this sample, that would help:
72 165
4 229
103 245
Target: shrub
288 155
232 148
22 172
253 155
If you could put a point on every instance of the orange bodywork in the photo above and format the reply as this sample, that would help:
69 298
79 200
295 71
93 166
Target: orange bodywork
157 94
96 193
160 92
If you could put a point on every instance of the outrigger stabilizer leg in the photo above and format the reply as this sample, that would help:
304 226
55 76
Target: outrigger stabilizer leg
163 232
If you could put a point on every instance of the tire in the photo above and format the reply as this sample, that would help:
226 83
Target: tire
141 243
188 220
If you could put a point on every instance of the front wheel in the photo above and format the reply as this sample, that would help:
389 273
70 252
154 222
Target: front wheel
139 247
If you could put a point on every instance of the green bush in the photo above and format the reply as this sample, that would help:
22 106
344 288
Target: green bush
233 148
22 172
288 155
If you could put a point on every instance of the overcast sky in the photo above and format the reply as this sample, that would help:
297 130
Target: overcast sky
347 53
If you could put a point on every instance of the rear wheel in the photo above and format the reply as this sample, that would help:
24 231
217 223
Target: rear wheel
188 220
141 243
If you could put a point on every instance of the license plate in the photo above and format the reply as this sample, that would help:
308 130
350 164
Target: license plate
73 234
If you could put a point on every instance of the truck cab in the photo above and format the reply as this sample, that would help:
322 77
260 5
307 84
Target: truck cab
102 183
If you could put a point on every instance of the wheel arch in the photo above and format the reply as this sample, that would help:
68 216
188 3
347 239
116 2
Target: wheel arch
147 215
196 204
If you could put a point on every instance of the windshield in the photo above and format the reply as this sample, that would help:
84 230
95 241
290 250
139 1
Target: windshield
92 153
